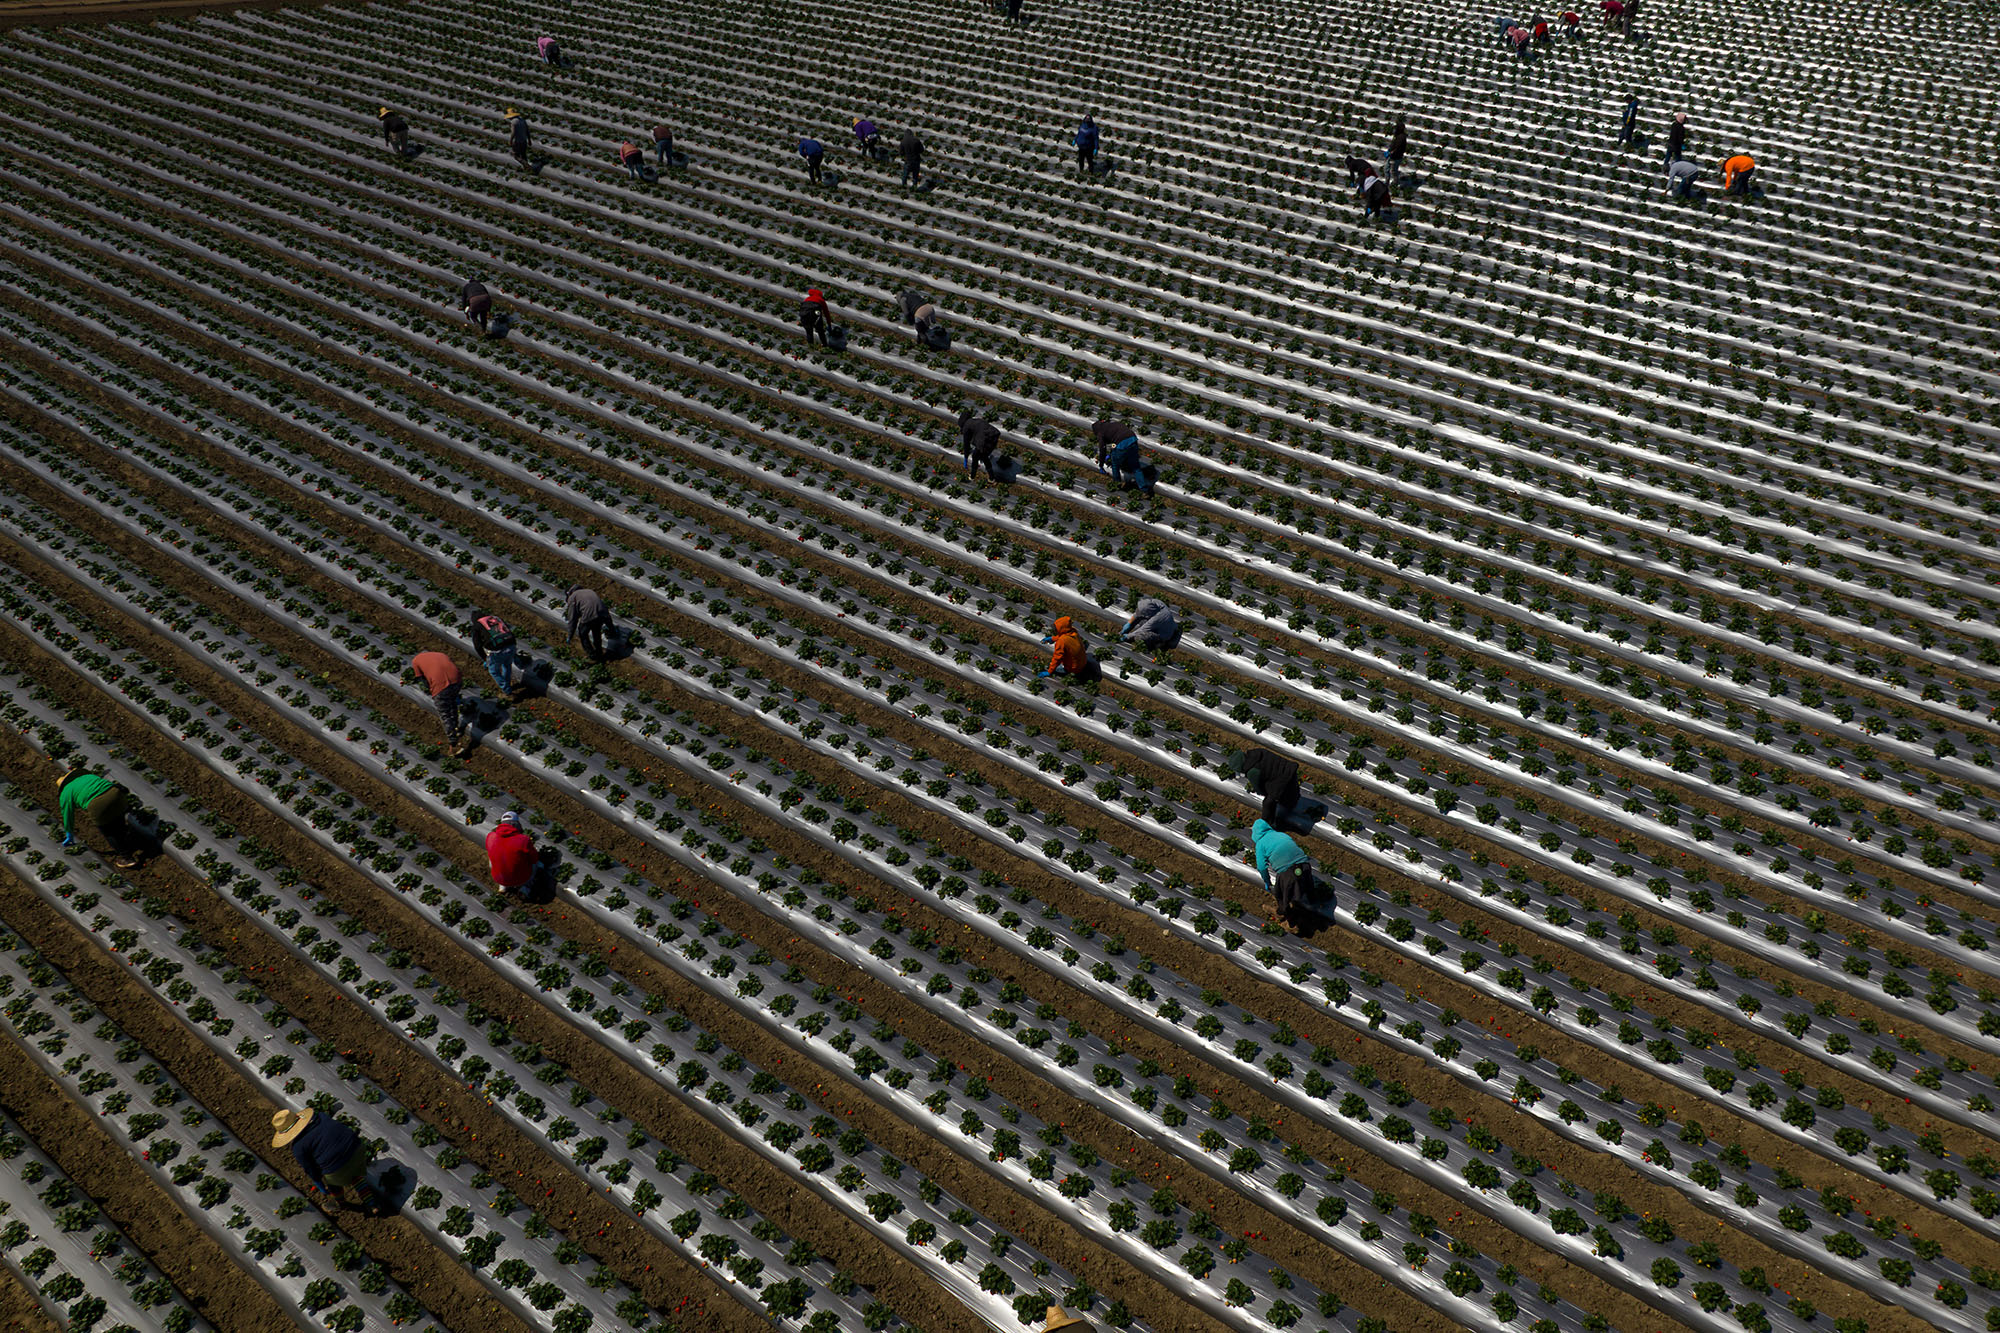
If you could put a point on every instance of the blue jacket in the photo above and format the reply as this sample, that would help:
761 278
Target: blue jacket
1086 135
1276 852
1124 455
810 148
324 1146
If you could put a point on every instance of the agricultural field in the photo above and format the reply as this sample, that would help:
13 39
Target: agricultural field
1621 571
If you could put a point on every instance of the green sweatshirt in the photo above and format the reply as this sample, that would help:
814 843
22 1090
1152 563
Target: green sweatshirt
78 793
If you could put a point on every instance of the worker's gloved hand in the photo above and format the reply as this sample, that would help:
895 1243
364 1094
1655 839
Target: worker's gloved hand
1048 638
1043 674
69 839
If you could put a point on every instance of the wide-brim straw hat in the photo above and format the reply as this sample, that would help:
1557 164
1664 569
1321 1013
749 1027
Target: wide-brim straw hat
1060 1318
511 114
288 1125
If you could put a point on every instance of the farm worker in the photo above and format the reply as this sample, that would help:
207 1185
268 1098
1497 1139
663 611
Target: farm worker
923 314
1374 196
1117 451
494 643
1014 11
1153 625
1504 25
816 316
1086 146
978 438
439 674
1272 778
1541 31
912 149
1736 173
1520 37
333 1156
1630 123
1614 12
476 303
1358 169
105 804
395 130
517 136
869 134
1067 655
1399 144
1061 1318
587 620
1677 137
634 158
550 51
812 151
512 856
663 144
1572 24
1286 870
1681 177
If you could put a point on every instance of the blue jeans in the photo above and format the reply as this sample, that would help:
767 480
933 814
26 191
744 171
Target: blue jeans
636 168
660 150
500 665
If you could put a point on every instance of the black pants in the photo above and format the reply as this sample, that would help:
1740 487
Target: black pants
812 170
591 635
815 326
1086 159
1294 889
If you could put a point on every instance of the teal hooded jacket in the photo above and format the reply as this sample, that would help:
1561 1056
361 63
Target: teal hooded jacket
1276 852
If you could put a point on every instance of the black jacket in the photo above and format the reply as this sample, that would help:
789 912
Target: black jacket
912 147
978 438
1399 143
1111 432
1677 137
519 138
1273 777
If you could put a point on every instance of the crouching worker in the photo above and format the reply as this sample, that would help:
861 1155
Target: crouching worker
1736 173
1153 626
516 863
1681 177
334 1157
978 439
1287 873
633 158
1274 780
1118 455
1374 196
477 304
106 805
549 49
922 313
1067 654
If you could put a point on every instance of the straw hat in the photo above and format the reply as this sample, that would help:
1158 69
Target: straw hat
288 1125
1058 1318
512 114
381 110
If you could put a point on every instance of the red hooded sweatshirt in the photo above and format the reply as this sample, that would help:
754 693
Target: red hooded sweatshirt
511 854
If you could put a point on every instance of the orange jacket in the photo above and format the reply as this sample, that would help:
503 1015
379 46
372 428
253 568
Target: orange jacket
1068 652
1735 167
